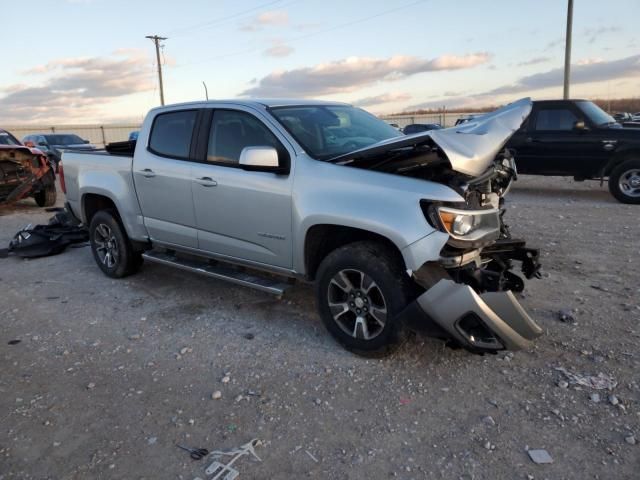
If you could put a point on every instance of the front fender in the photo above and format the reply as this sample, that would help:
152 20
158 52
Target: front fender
381 203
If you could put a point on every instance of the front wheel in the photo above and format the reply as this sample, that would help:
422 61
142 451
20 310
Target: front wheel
624 182
111 247
360 289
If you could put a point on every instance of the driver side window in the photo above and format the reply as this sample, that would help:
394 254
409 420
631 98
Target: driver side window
557 119
231 131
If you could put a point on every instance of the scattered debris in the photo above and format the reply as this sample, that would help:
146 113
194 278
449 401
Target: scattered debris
563 384
226 379
217 395
14 342
613 400
566 316
221 471
43 240
597 382
630 439
91 386
195 453
540 456
311 456
488 420
249 336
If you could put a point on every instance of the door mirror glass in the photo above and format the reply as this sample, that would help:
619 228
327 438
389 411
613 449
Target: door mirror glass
579 125
42 144
259 157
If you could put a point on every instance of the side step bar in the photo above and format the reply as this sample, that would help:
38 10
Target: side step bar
219 271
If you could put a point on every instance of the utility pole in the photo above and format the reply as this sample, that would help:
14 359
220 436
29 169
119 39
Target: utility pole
567 50
156 39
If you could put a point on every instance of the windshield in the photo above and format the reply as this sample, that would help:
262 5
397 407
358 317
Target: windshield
328 131
595 113
66 139
8 139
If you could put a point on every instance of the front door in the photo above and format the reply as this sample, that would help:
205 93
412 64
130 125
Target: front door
552 145
239 213
163 177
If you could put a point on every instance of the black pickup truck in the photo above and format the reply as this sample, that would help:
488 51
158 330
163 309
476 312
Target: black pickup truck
576 138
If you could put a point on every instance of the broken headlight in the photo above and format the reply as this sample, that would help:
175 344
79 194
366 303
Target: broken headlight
469 225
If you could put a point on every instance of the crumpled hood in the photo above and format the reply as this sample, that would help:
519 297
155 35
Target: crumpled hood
470 147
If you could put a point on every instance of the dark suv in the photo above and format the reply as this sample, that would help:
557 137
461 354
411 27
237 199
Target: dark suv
577 138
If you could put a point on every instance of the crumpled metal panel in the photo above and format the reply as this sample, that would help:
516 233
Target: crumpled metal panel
21 168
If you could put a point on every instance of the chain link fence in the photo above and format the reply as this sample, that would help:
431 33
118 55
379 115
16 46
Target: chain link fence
96 134
444 119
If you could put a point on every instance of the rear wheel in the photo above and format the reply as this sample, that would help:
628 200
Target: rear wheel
360 289
46 197
624 182
111 248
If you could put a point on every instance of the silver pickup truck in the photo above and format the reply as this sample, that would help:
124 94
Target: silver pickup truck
395 231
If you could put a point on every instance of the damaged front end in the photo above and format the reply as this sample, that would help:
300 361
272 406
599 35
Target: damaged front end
468 288
24 172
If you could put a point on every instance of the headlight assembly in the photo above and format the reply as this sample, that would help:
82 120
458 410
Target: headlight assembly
470 225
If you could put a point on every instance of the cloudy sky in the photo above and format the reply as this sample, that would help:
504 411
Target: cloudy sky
87 61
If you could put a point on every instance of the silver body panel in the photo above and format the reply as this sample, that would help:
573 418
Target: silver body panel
263 218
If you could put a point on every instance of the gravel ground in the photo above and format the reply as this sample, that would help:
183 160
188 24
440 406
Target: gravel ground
108 375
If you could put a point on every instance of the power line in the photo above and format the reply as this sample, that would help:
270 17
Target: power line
156 40
189 29
302 37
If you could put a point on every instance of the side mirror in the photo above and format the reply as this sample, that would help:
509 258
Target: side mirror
259 158
85 141
579 125
42 144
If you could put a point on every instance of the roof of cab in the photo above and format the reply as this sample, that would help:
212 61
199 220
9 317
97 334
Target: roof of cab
258 102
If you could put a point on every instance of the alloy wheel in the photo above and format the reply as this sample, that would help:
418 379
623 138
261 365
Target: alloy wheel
357 304
106 245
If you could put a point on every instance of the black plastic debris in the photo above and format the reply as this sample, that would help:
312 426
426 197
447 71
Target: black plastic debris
62 230
14 342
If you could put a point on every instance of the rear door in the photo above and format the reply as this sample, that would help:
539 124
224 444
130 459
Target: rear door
240 213
162 176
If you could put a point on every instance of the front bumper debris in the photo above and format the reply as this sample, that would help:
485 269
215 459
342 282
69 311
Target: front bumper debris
487 322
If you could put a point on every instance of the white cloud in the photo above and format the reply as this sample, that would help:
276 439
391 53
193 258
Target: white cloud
279 49
351 73
73 87
381 99
273 18
534 61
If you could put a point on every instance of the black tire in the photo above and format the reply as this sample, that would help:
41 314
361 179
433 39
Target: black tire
46 197
111 248
627 173
378 263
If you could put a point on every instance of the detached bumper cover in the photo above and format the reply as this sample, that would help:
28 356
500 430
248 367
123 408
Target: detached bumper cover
487 322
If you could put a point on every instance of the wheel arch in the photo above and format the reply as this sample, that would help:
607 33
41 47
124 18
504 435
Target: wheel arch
620 157
322 239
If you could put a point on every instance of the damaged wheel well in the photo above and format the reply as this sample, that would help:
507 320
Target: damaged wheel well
93 203
323 239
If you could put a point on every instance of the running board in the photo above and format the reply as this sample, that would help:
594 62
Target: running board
219 271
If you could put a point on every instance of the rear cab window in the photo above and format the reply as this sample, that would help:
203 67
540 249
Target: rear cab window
171 133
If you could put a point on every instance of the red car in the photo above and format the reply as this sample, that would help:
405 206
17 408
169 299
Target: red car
24 172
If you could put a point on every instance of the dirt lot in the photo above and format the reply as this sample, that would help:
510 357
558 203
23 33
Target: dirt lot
110 374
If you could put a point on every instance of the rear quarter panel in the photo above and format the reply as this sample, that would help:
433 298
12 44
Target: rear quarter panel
107 175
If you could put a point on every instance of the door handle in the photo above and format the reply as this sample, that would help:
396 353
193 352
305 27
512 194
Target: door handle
206 181
147 172
532 140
